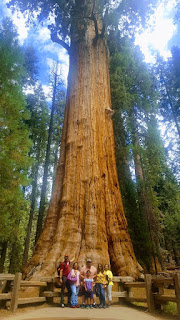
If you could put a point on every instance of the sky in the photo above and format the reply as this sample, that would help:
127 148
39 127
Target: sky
47 51
161 33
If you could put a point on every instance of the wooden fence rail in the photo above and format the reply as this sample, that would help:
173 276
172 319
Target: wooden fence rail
154 288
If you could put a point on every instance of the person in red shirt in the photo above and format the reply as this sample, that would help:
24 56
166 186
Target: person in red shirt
64 271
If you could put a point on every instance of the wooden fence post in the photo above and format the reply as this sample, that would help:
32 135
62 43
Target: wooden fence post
15 292
149 293
50 287
176 279
121 289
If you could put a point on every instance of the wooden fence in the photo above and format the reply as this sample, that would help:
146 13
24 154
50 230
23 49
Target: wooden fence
154 288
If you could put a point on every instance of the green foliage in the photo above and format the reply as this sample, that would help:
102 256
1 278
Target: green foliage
14 137
71 17
170 308
57 128
31 66
153 197
131 74
37 122
130 86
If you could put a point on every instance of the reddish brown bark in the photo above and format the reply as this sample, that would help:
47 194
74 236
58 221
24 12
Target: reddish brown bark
85 216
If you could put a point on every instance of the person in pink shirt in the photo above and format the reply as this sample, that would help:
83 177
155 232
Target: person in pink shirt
75 274
93 273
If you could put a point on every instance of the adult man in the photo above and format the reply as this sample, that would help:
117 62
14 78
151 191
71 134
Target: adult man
64 271
83 273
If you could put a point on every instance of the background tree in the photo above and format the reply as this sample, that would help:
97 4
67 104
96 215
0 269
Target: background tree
168 83
137 138
56 83
38 125
14 141
130 73
57 130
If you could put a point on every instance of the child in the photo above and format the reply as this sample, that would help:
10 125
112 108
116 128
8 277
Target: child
88 284
109 284
100 284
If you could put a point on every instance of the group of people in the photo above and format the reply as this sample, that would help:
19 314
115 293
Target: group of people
88 281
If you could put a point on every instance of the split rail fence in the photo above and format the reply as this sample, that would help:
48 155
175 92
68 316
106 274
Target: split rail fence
154 287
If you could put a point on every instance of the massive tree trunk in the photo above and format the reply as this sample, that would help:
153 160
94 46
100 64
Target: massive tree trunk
85 217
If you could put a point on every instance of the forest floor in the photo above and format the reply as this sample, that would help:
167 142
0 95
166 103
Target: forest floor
46 312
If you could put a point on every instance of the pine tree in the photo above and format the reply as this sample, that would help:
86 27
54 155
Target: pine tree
131 90
38 125
14 141
56 82
57 130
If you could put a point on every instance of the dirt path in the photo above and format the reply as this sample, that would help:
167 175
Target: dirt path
56 313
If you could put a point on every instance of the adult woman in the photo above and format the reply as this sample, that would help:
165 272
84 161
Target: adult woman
108 285
75 284
100 283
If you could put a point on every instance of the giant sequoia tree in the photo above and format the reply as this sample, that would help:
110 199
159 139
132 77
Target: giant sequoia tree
85 217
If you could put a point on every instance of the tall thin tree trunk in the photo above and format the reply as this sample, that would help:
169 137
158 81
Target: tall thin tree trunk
175 253
145 205
3 255
86 217
15 265
56 156
57 143
134 217
46 165
31 214
171 105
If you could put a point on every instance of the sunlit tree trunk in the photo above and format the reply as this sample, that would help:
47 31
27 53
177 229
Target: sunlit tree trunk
85 217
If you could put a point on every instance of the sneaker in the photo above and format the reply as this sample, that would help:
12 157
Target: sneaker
87 307
77 306
104 307
100 306
83 306
62 305
91 307
94 305
73 306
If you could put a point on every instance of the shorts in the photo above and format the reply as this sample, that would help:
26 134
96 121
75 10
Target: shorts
83 291
88 294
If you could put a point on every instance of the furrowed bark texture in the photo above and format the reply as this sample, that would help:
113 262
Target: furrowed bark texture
85 216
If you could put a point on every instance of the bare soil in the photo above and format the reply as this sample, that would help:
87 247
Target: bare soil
116 312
